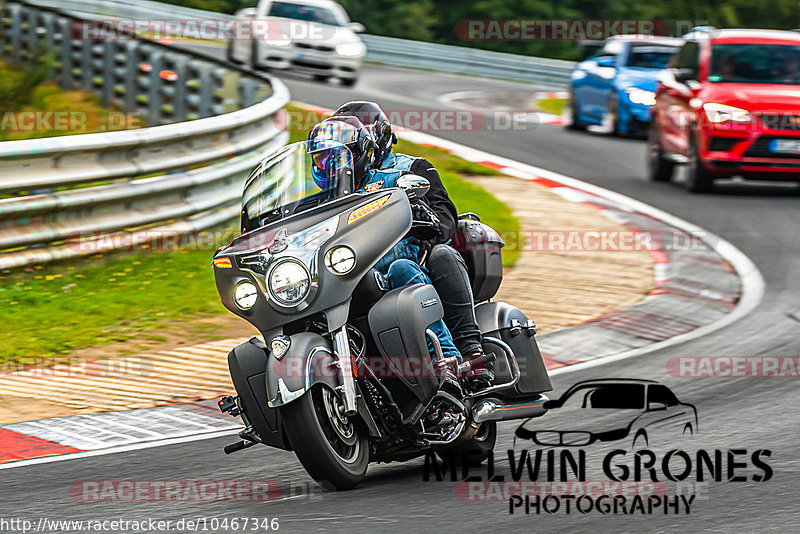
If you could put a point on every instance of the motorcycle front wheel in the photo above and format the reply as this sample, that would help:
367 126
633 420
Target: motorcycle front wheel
331 446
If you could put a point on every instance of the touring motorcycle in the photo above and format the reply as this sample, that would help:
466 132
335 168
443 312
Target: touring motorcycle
344 376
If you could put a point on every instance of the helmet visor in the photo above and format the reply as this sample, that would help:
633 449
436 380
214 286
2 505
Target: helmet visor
332 132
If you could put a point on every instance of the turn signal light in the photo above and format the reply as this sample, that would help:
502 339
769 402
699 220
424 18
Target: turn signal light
366 209
223 262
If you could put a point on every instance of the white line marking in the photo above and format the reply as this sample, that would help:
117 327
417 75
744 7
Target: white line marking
121 448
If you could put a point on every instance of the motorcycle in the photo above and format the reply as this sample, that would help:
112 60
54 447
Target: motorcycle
344 376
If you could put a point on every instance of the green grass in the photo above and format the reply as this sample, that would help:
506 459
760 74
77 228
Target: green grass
553 105
73 112
49 311
52 310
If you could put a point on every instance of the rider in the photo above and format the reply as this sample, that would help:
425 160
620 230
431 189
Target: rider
399 264
446 267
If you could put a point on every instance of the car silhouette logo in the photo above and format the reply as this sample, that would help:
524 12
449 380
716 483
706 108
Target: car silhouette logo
613 409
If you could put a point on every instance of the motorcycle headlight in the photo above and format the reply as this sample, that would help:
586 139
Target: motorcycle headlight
640 96
349 49
245 295
717 113
289 282
340 260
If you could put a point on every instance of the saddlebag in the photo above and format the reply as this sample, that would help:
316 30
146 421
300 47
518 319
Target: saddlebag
511 326
480 246
398 323
248 365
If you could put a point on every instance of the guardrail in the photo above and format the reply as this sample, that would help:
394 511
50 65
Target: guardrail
545 73
169 179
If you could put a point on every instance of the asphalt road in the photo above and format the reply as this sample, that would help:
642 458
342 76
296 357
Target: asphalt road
751 413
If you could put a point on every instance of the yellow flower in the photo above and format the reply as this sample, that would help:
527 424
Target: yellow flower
112 279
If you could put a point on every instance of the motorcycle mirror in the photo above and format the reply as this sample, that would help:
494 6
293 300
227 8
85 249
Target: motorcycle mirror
414 186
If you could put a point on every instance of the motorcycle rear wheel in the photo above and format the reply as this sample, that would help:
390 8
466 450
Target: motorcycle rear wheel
331 446
476 450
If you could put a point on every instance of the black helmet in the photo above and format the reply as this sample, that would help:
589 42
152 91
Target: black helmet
374 119
348 131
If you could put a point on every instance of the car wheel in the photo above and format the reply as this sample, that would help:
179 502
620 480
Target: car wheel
659 169
229 53
349 82
254 57
698 179
611 118
573 123
640 440
321 78
688 432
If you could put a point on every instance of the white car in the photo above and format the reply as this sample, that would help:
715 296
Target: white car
310 36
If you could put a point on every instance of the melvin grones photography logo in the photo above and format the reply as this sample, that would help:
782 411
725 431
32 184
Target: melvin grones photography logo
615 446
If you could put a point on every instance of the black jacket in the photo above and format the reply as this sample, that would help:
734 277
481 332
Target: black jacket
438 200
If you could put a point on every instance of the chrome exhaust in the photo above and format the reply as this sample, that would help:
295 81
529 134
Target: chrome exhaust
498 410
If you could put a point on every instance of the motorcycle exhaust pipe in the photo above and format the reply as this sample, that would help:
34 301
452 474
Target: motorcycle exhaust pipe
498 410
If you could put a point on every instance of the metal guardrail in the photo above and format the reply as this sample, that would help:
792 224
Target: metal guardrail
545 73
551 74
168 179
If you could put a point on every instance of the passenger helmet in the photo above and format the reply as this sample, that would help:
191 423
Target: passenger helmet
375 120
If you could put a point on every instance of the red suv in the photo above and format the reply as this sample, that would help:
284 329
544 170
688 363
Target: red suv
729 106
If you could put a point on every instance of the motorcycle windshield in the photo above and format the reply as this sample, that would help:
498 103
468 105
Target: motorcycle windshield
295 178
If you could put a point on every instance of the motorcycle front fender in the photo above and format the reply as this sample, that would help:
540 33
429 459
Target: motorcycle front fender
308 361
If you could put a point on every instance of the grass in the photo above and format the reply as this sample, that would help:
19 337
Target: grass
553 105
52 310
34 108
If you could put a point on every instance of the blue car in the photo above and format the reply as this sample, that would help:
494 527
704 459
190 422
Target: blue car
615 87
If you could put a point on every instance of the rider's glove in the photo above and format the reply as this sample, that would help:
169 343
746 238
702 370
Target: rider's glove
432 230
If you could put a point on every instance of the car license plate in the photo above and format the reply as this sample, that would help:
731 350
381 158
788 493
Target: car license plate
785 146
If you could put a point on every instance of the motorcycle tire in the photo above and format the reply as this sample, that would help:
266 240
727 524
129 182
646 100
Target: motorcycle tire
332 448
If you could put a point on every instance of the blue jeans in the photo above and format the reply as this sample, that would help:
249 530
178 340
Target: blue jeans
405 272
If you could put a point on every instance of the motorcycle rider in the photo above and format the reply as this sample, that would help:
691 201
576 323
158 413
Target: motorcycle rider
446 267
399 264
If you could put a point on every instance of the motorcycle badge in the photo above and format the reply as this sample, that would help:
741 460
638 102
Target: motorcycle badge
374 186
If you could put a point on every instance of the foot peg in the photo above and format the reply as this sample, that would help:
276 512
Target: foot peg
238 446
249 438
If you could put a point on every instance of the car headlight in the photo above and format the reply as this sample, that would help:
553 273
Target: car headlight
281 41
245 295
640 96
289 282
350 49
717 113
340 260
